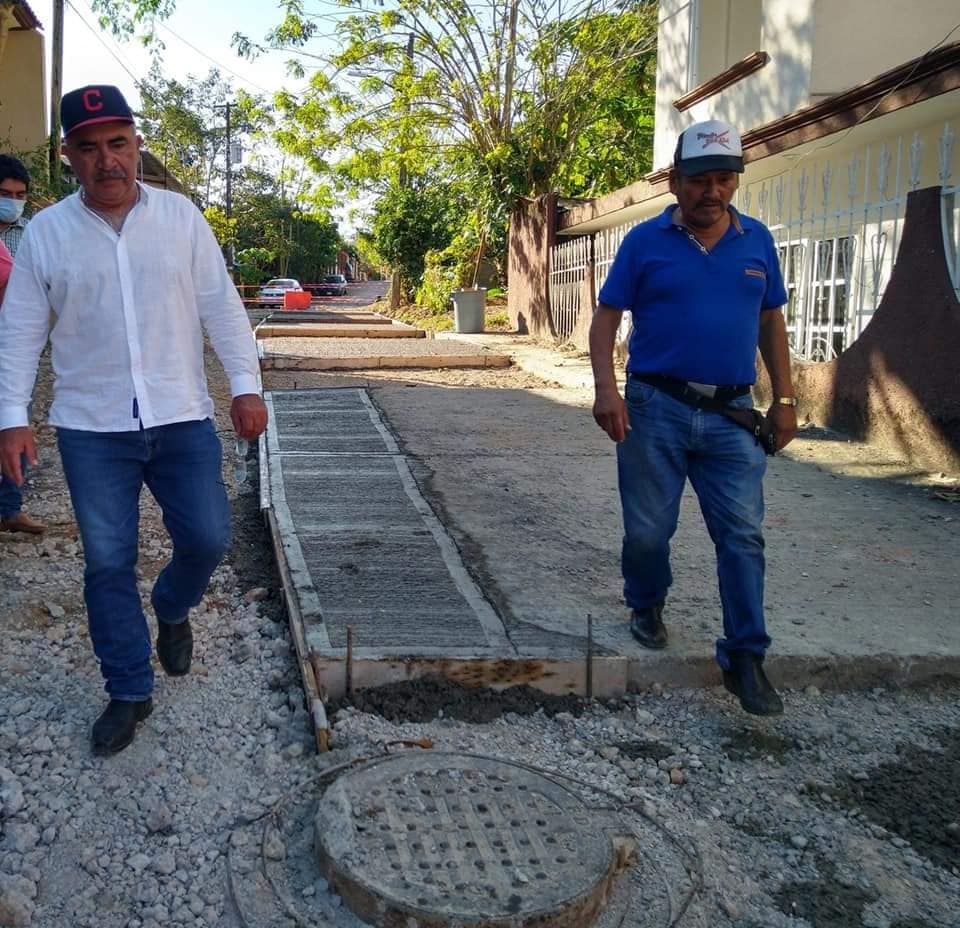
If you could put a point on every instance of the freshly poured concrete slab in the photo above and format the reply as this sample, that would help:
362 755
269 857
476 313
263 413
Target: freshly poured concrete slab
376 588
360 353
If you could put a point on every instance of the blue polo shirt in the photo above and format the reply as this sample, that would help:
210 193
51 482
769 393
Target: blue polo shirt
696 315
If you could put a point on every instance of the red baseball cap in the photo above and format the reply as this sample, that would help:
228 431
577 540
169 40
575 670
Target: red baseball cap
91 104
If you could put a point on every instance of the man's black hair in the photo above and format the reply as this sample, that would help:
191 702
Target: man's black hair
13 169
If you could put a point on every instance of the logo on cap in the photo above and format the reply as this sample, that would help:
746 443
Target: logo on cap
91 101
715 138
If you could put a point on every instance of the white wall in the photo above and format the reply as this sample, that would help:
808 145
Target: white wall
855 40
786 34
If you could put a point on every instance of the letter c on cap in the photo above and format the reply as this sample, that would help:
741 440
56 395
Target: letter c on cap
92 101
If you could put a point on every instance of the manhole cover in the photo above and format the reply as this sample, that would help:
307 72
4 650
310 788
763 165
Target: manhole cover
437 839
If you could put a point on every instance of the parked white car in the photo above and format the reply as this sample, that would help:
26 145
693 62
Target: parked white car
271 293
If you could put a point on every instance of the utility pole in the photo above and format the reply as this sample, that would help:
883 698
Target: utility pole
56 91
229 192
402 181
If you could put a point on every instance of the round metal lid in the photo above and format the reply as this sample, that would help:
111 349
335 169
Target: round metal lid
441 839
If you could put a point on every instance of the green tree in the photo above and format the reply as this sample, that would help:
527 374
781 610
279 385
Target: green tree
503 93
407 223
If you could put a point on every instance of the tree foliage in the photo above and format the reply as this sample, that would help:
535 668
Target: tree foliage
505 91
126 18
407 223
182 123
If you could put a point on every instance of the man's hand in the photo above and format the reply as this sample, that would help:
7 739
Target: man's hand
610 412
249 415
784 420
14 443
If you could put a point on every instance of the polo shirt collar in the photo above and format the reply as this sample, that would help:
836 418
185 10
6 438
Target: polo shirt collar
665 220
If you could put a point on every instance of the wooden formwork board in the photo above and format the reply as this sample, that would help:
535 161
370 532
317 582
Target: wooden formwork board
271 362
315 699
550 673
336 330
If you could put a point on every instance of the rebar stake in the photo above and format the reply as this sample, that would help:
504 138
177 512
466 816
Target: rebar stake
589 656
350 662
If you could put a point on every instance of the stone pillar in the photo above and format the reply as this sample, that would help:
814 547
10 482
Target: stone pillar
533 228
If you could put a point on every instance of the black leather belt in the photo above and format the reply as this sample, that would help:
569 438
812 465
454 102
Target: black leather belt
682 390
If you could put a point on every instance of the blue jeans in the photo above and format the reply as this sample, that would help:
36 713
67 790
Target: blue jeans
670 441
105 471
11 496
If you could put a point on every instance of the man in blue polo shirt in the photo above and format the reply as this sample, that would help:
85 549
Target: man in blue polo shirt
704 287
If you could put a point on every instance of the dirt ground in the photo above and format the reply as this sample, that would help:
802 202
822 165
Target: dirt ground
434 697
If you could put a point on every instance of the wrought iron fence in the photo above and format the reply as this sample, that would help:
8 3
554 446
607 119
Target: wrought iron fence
568 268
837 222
950 192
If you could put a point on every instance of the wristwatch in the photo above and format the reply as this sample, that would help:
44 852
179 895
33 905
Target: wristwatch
785 401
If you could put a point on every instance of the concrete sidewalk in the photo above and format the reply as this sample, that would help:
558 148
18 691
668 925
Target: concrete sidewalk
861 582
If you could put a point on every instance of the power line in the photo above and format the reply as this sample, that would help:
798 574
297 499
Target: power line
166 28
99 37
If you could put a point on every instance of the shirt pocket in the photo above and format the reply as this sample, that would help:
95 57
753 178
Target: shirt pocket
753 282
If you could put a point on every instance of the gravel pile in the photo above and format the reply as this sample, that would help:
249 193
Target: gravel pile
792 819
137 840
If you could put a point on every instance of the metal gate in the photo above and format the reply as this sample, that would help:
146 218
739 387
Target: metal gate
568 268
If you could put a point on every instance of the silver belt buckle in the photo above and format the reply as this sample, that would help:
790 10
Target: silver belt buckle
704 389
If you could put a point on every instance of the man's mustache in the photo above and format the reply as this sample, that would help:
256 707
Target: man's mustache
110 175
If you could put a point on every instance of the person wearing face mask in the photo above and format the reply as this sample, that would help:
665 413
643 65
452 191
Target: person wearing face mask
703 284
14 187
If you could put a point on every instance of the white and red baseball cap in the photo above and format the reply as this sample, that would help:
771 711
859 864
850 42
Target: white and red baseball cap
712 145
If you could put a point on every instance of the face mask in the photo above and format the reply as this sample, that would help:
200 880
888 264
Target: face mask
10 209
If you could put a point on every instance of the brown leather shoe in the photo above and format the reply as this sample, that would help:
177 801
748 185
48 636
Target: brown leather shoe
21 522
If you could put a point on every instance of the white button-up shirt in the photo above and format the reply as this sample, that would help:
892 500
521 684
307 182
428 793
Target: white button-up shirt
129 312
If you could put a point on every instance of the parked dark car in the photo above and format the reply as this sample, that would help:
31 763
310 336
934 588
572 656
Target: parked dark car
331 285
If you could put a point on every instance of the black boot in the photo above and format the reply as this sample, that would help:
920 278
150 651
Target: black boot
175 647
746 680
646 625
117 725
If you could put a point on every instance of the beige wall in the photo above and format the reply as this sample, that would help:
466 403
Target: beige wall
727 31
23 124
855 40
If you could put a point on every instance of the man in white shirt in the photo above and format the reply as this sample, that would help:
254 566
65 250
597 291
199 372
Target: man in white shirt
133 277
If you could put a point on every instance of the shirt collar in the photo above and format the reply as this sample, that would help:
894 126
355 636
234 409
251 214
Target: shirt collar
665 220
144 196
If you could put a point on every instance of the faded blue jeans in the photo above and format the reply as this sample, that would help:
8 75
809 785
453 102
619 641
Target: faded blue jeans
11 496
669 442
105 471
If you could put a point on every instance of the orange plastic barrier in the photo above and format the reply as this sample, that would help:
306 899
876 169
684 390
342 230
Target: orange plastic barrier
296 299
